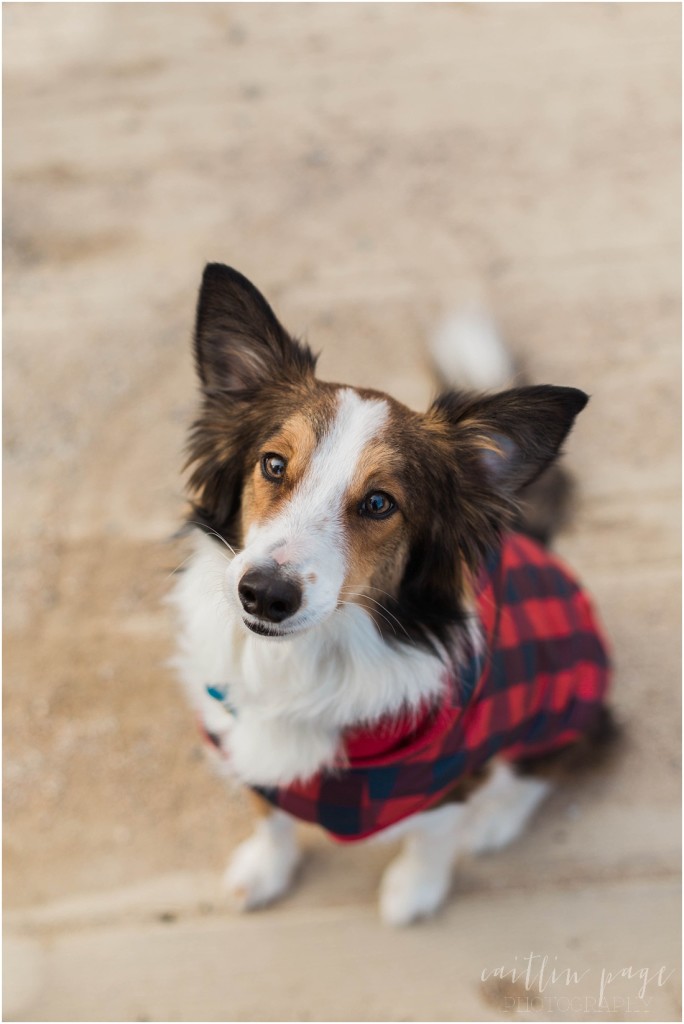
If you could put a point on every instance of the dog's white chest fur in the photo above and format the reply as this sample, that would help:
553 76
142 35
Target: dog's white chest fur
293 697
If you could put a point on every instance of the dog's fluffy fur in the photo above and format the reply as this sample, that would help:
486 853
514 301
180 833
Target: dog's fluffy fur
369 520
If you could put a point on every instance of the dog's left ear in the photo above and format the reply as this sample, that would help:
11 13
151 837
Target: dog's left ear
239 342
515 434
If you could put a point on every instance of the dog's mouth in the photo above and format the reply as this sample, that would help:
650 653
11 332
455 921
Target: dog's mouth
262 630
268 631
271 631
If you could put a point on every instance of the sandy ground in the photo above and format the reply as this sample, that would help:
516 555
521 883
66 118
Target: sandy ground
369 166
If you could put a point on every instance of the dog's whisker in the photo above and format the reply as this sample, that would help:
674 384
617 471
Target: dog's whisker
351 604
203 526
384 612
380 591
179 566
381 606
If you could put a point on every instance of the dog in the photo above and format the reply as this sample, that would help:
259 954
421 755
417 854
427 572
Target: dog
373 634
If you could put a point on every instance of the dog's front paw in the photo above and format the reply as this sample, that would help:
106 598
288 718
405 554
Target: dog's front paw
411 889
262 868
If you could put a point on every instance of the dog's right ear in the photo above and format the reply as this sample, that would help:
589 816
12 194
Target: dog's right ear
239 342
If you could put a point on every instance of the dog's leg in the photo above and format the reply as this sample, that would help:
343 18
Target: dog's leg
496 811
263 866
500 810
417 881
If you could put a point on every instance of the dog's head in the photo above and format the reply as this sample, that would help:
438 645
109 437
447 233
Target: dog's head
331 494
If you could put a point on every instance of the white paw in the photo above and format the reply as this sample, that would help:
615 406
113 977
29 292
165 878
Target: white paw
411 889
262 868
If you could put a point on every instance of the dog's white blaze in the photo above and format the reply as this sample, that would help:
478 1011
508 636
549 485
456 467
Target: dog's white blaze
308 535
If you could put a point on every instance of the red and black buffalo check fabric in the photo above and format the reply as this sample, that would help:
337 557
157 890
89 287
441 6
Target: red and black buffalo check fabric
537 685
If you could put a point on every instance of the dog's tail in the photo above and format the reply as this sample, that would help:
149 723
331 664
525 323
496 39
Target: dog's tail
468 353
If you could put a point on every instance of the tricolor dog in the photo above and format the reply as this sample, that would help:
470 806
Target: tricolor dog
374 635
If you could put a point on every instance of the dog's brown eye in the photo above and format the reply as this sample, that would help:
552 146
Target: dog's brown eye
377 505
273 466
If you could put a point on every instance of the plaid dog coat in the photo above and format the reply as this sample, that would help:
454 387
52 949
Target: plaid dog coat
538 685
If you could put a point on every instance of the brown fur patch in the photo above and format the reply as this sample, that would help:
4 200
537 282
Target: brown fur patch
295 442
586 754
377 547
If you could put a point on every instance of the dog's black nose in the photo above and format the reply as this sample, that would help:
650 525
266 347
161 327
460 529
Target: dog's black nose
266 594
